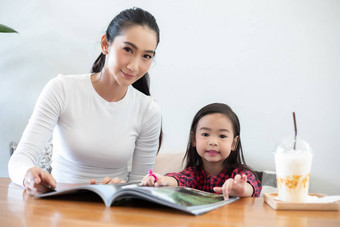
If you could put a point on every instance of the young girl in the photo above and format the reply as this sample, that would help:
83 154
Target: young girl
100 120
215 161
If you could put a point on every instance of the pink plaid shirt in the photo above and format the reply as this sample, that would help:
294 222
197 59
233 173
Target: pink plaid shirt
194 177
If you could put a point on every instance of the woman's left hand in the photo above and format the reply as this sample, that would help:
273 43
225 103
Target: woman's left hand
108 180
235 187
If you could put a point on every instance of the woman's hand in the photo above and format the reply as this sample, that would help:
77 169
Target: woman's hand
38 181
235 187
108 180
150 180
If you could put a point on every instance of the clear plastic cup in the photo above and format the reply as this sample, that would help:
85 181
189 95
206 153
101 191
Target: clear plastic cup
293 167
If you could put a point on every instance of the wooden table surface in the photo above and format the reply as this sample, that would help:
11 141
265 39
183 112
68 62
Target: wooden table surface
19 209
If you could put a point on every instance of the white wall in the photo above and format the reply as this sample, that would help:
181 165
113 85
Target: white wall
265 59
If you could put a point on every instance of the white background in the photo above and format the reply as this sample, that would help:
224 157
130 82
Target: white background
265 59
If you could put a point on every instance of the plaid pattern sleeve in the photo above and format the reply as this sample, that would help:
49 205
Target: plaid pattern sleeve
195 177
187 178
251 179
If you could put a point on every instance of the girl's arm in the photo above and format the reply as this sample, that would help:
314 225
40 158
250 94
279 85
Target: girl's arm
236 187
159 180
187 178
242 183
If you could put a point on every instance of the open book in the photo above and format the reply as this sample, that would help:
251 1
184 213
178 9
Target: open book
189 200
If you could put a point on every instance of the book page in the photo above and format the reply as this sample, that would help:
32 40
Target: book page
185 196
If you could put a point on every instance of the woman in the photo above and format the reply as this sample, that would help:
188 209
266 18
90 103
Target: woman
99 122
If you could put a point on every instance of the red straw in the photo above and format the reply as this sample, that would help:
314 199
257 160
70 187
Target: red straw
295 130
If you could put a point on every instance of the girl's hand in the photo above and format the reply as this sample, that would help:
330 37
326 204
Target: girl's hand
149 180
38 181
108 180
235 187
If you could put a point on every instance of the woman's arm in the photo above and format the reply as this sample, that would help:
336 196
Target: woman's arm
147 143
38 131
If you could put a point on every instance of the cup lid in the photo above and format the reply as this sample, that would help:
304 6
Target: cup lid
287 146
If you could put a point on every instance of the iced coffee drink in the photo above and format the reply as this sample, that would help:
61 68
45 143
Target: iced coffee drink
293 168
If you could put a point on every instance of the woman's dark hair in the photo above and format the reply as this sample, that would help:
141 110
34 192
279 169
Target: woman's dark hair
124 20
235 159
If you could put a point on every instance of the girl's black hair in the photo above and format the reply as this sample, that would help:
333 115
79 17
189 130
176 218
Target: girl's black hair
235 159
125 19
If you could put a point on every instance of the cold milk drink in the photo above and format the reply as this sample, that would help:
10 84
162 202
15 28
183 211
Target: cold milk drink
293 167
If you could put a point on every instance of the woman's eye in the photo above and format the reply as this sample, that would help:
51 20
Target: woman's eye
128 49
147 56
205 134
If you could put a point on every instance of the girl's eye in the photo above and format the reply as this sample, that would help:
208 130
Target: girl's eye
223 136
128 49
205 134
147 56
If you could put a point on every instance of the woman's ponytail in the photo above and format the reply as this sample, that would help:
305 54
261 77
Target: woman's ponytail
143 84
98 64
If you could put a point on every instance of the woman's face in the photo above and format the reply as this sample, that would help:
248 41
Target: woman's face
131 54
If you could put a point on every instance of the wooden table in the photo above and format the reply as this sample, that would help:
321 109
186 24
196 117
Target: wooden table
19 209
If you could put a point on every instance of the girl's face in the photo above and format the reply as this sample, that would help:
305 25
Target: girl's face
131 54
214 138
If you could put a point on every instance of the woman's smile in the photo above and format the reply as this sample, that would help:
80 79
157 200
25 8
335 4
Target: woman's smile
128 76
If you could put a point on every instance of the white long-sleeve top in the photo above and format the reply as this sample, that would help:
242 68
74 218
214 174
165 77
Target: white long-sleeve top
92 138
